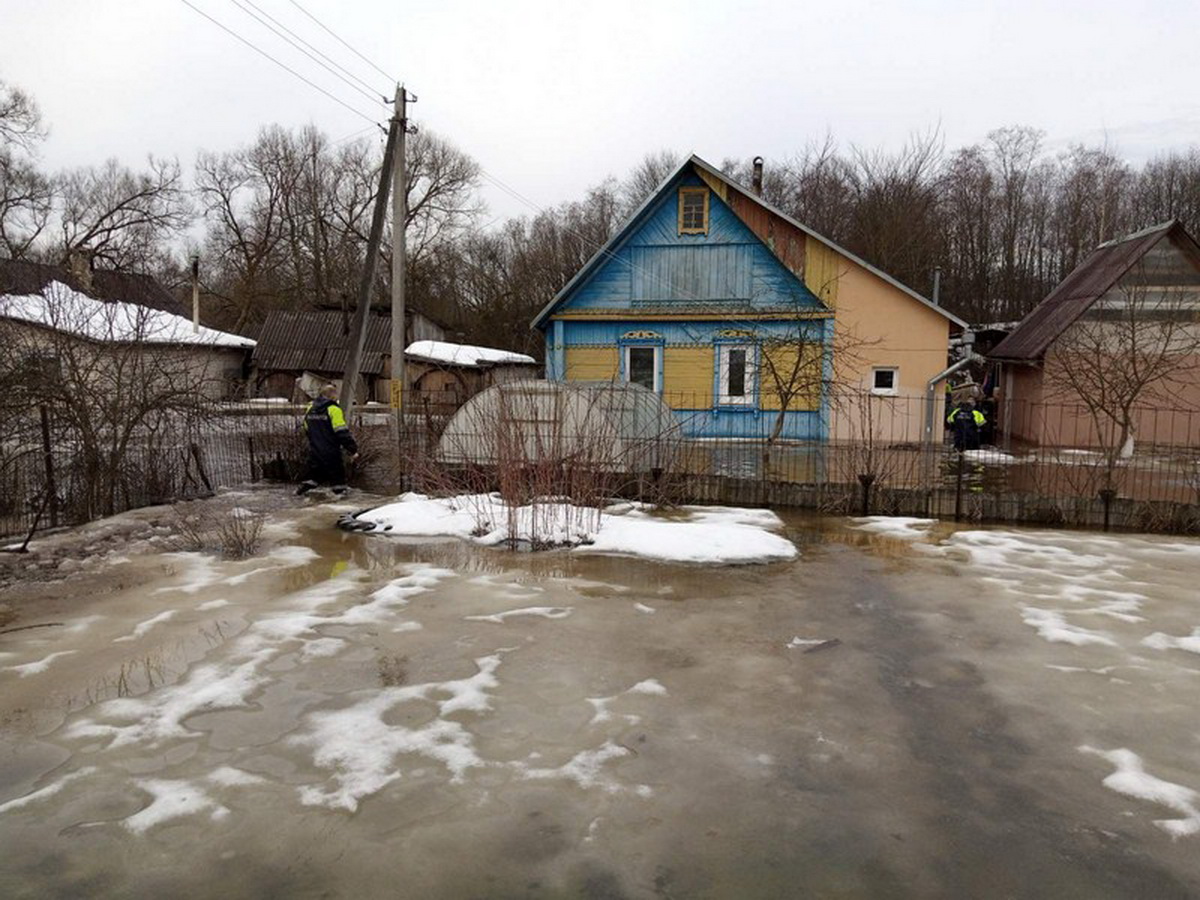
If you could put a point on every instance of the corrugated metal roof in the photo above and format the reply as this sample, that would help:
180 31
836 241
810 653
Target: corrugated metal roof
315 341
1090 280
22 277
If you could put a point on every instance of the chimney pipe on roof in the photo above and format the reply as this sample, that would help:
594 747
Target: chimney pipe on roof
756 183
937 285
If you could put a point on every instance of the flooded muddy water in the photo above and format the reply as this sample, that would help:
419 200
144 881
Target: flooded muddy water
903 711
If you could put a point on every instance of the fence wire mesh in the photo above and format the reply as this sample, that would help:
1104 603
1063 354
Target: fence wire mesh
1036 463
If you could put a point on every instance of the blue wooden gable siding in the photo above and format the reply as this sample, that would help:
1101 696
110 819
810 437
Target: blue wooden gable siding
657 266
656 269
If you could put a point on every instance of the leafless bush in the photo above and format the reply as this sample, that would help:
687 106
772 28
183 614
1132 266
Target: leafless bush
552 457
236 533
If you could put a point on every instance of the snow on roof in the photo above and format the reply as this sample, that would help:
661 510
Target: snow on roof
63 309
448 354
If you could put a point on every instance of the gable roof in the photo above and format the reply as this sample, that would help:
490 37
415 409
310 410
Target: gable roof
709 173
23 277
1089 281
316 341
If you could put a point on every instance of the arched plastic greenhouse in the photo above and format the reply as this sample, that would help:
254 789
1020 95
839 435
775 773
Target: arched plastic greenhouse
607 425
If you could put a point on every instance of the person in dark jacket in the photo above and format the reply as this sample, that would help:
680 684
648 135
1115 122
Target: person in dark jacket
328 435
965 421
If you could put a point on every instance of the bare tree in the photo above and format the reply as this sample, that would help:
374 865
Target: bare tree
645 177
25 193
118 217
121 387
1138 346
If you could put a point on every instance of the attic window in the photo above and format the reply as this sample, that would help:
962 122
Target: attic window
693 210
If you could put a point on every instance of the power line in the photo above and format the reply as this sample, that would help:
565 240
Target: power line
342 42
601 247
281 65
370 92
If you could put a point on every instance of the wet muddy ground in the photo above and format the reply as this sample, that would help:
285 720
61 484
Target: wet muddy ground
923 712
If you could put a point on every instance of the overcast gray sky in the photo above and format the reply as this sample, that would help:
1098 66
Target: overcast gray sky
550 97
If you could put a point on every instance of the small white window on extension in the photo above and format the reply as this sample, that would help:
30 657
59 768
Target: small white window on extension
885 381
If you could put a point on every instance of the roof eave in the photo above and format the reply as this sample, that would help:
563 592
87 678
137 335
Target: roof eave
828 243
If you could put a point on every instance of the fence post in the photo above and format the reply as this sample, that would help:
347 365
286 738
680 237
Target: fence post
1107 495
48 457
958 488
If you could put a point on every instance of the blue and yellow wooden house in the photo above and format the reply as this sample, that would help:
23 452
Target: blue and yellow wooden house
705 278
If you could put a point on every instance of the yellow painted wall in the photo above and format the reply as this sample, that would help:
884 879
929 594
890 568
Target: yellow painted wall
806 375
688 377
591 363
889 328
824 270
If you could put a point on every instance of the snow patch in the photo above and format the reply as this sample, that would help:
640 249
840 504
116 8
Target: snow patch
545 612
445 353
64 309
586 769
1051 625
906 528
48 791
41 665
708 534
361 748
176 798
1161 641
1132 780
143 627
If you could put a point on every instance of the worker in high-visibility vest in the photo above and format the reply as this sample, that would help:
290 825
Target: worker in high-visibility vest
328 435
965 421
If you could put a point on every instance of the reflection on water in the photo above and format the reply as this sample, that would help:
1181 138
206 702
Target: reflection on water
435 719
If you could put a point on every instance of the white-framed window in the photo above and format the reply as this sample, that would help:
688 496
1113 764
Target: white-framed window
642 364
885 380
737 375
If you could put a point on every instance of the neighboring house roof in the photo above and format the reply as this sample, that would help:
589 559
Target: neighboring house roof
66 310
385 310
19 276
443 353
1086 284
712 174
316 341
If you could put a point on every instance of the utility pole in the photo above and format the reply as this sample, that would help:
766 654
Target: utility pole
196 292
358 328
399 252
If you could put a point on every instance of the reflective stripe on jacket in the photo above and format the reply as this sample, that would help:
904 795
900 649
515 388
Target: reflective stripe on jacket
976 415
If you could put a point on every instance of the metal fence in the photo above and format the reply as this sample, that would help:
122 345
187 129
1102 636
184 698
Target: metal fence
1039 463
